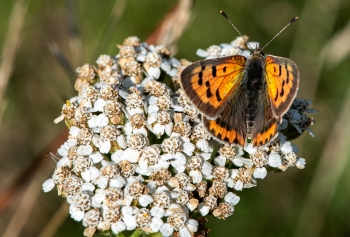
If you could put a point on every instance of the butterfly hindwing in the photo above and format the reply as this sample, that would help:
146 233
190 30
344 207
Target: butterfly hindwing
282 78
211 83
229 126
265 124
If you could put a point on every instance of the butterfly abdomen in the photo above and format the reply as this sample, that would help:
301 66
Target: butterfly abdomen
255 85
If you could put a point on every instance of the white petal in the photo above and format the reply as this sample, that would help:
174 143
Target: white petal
203 209
102 120
157 212
74 131
229 182
169 128
233 173
165 66
76 213
118 156
98 198
301 163
141 130
118 227
63 162
207 168
145 200
87 187
274 160
99 104
86 175
96 140
84 150
152 118
188 148
48 185
286 148
231 198
250 149
184 232
202 53
156 224
118 182
102 182
131 155
103 225
130 222
260 173
192 225
237 162
92 122
180 157
166 230
204 145
121 141
63 150
105 147
153 109
158 129
239 185
220 161
154 72
196 176
96 157
72 142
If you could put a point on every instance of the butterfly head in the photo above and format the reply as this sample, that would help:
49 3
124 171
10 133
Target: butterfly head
257 52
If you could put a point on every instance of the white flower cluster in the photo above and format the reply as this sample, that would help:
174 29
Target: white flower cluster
138 157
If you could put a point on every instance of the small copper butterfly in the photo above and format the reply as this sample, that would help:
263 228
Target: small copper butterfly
242 98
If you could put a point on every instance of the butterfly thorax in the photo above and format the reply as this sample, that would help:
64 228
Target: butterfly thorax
255 85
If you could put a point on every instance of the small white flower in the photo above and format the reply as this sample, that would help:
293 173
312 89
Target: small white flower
166 230
301 163
231 198
84 150
48 185
118 227
260 173
274 160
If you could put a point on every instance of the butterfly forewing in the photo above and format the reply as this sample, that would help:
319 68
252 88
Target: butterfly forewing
210 83
282 78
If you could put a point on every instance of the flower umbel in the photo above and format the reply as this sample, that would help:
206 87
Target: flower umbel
138 156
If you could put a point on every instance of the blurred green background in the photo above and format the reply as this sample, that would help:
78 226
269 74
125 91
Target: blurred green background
310 202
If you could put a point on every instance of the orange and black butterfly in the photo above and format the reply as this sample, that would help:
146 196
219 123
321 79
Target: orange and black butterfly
242 98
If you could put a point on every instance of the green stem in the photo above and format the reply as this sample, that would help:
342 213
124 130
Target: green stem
136 233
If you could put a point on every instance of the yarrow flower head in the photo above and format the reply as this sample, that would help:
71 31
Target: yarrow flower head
138 156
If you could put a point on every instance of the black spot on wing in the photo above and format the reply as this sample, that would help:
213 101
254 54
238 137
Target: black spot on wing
285 66
276 95
224 69
218 97
207 83
282 92
209 94
280 70
213 71
200 78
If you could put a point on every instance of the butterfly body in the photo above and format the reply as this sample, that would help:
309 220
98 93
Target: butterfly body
242 98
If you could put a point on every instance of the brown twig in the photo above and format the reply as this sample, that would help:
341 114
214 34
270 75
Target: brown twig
172 26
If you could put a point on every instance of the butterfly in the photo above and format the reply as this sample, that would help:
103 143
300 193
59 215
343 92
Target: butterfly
240 97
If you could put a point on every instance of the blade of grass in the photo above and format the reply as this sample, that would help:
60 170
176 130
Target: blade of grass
11 45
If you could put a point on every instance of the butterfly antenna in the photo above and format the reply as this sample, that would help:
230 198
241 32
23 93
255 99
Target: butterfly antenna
291 21
224 15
